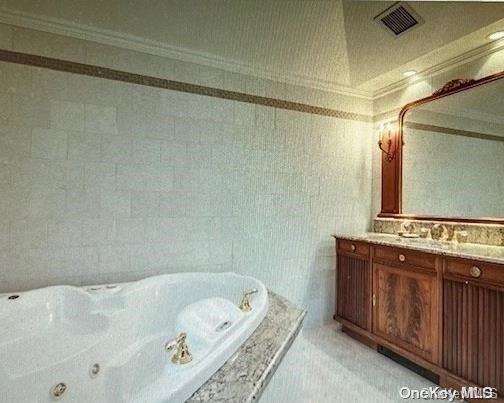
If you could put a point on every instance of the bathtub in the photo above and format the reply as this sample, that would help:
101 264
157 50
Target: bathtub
107 343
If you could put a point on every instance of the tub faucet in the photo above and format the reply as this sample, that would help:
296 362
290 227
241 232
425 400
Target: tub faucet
245 302
182 354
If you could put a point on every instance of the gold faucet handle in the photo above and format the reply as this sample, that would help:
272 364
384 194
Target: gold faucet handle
245 302
178 341
182 354
181 338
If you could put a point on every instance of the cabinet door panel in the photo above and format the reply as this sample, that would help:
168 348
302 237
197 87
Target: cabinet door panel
405 311
353 291
473 333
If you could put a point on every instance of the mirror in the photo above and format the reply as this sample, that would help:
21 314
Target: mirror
453 154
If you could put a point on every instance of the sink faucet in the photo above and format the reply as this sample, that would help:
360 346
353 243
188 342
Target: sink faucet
245 302
407 227
438 232
182 354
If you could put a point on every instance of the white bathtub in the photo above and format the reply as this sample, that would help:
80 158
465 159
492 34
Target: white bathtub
57 334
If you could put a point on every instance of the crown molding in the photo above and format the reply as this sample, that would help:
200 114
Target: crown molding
135 43
466 57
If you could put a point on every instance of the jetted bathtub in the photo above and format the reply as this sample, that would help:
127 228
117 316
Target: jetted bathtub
107 343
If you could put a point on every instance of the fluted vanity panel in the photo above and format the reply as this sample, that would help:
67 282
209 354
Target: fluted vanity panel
473 332
353 290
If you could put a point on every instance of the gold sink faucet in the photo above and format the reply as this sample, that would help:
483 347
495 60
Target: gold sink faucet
438 232
182 354
245 302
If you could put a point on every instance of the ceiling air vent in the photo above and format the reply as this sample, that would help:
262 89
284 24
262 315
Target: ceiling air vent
399 19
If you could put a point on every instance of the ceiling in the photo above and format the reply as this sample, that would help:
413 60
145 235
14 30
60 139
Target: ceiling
332 42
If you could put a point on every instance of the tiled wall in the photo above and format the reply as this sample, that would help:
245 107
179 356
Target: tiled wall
104 181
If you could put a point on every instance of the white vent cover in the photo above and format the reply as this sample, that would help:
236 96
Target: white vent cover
399 18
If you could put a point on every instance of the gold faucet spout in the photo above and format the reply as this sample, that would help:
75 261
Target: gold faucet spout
245 302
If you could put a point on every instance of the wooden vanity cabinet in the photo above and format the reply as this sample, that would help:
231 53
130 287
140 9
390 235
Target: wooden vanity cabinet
444 314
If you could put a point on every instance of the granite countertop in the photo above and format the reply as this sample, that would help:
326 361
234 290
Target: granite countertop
245 375
486 253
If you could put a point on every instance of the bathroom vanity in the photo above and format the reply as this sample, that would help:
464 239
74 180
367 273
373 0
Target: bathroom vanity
439 306
435 302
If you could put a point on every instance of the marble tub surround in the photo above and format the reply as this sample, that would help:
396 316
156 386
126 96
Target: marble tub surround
486 253
246 374
486 234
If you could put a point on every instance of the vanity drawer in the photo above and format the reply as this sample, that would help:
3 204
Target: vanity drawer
357 248
474 270
405 256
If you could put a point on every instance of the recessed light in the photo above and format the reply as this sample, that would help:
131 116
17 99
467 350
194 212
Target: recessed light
496 35
409 73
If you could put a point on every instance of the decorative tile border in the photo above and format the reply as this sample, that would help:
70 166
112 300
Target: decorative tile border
449 130
486 234
149 81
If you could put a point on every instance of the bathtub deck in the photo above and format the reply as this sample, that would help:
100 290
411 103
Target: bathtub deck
245 375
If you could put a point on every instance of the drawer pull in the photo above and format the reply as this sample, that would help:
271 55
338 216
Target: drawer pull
353 248
402 258
475 271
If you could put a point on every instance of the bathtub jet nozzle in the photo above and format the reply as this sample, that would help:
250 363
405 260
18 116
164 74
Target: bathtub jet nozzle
245 302
182 354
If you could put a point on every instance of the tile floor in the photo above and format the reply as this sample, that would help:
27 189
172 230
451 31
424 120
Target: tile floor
326 365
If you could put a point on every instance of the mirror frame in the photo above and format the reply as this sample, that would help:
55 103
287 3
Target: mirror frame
392 180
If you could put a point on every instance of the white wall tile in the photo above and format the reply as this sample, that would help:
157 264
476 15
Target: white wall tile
174 153
64 232
82 204
28 233
99 175
146 151
114 259
145 204
115 203
97 231
79 260
4 234
15 79
129 230
116 148
148 177
30 111
15 143
67 115
100 119
5 108
172 204
244 114
49 143
265 116
84 146
47 202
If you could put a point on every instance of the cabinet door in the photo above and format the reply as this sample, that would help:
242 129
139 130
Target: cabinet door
473 332
405 309
353 291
